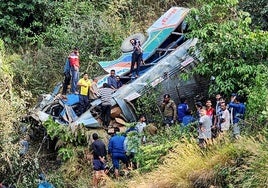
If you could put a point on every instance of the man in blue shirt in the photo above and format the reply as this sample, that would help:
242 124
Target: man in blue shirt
182 109
238 114
117 150
112 80
188 118
67 78
118 82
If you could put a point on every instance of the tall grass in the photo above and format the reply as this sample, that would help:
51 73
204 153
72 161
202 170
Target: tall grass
228 163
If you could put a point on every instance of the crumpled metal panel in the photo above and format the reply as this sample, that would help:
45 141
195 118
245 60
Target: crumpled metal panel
87 120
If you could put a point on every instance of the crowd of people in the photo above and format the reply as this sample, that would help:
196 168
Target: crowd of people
213 120
122 148
87 88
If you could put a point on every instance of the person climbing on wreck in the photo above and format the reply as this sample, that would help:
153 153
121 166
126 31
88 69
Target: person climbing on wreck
67 78
75 64
84 84
136 57
105 94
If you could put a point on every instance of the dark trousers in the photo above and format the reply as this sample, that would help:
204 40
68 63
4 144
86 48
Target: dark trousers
136 58
168 120
106 114
75 77
83 103
66 82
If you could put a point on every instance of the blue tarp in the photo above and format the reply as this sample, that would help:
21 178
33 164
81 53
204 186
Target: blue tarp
71 99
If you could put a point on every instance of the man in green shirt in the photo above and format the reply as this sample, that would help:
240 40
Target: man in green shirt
169 110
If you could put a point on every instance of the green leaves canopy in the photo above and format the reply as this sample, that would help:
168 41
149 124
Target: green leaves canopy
231 52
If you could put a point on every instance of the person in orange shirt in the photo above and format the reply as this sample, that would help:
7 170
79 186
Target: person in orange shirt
84 84
74 63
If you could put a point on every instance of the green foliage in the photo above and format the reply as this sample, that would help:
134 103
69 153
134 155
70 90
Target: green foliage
231 51
258 98
148 105
56 179
133 141
66 153
14 168
20 20
27 171
258 10
151 155
40 65
68 140
247 168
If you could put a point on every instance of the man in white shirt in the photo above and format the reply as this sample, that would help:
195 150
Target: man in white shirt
224 118
141 124
204 130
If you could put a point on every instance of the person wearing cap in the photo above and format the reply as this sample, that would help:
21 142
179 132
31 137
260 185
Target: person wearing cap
99 155
74 64
117 150
169 109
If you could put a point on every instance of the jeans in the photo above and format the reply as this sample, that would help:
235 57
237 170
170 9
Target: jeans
168 120
118 156
83 103
75 76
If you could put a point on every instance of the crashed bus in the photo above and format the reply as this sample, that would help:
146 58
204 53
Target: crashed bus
165 55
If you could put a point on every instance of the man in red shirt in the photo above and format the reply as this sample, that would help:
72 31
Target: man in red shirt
74 63
211 114
210 109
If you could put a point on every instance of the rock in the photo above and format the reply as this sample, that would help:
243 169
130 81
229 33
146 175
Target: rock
151 128
115 112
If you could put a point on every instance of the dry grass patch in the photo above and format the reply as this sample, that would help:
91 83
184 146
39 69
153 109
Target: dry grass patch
187 166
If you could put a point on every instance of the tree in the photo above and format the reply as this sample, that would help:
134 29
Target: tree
21 20
231 51
13 166
258 10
